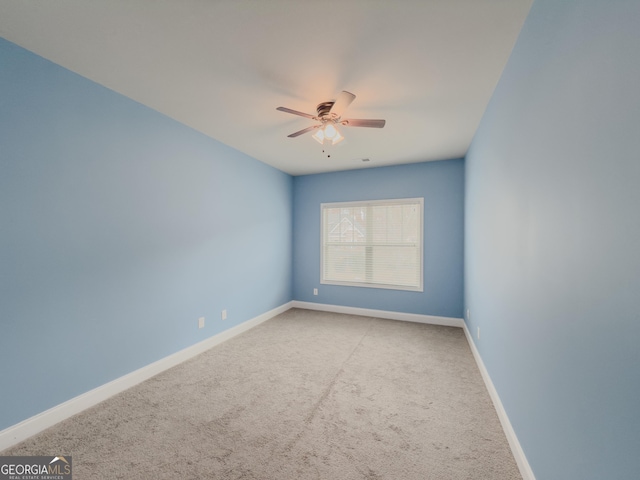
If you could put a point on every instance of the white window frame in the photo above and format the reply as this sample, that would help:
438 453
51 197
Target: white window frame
420 246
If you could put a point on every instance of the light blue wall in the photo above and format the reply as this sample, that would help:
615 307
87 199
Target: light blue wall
120 227
552 244
442 186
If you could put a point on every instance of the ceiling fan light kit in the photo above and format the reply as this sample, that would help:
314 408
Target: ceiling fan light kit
330 115
328 133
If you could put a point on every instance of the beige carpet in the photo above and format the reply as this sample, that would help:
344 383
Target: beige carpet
305 395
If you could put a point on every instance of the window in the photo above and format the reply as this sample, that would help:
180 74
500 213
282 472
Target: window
372 244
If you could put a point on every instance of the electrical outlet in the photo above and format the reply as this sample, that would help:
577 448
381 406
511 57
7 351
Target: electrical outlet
224 314
468 315
315 291
201 322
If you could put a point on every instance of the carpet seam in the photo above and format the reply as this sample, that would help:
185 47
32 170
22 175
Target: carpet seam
309 418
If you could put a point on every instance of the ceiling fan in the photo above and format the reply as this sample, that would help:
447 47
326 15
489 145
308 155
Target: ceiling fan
329 115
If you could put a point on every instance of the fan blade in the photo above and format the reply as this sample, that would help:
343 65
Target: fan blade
295 112
344 100
361 122
301 132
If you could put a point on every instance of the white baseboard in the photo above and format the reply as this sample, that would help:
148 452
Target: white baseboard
516 448
36 424
367 312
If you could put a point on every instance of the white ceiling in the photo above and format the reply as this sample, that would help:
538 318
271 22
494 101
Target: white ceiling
222 67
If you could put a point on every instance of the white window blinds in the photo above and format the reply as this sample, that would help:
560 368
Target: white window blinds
373 244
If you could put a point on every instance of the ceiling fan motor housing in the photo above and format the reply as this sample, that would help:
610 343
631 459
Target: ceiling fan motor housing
324 111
